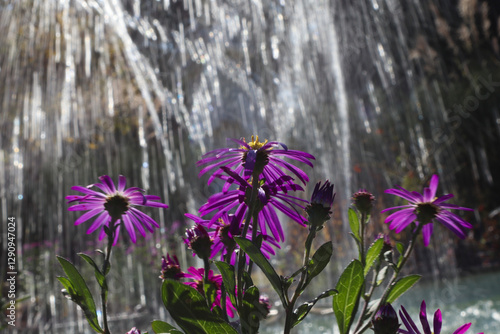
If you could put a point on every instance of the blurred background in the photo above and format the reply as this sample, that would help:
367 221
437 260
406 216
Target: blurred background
382 92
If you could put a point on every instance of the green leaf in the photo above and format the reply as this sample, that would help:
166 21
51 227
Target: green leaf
354 223
348 287
319 261
79 292
251 312
160 327
101 279
258 258
373 253
301 312
228 277
189 309
401 286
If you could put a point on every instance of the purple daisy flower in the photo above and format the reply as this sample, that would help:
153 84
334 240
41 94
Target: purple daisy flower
271 197
197 275
426 209
411 328
113 205
265 157
226 228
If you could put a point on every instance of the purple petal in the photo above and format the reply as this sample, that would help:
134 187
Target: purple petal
401 224
404 194
87 191
427 232
397 207
130 228
455 207
405 317
438 321
85 207
451 226
462 329
108 184
443 198
86 216
122 182
454 218
433 184
423 318
399 215
100 221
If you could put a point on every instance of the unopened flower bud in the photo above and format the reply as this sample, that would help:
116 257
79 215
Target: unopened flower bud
170 268
385 320
363 201
199 241
319 209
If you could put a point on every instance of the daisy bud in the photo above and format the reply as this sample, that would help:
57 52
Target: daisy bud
319 209
199 241
363 201
170 268
386 320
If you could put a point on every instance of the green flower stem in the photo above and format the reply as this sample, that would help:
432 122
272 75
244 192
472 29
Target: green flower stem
368 296
300 287
254 236
206 265
105 267
241 257
362 242
394 277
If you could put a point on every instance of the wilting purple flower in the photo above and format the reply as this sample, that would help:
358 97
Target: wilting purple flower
112 205
170 268
197 275
270 197
426 209
199 241
385 320
265 157
134 331
226 228
319 209
411 328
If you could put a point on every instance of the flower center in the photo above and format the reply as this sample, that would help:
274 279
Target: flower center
255 144
116 205
426 212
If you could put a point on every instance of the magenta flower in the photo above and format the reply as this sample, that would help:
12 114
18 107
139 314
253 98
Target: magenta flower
134 331
226 228
271 197
265 157
215 280
425 209
386 320
319 209
114 205
411 328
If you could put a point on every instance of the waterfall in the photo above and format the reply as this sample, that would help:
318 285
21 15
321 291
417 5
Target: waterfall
380 91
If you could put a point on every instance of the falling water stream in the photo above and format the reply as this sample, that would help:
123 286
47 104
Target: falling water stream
380 91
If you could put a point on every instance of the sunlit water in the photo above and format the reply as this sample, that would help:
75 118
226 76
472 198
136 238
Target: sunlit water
143 88
473 298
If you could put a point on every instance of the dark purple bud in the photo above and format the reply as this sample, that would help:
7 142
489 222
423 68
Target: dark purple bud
319 209
386 320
